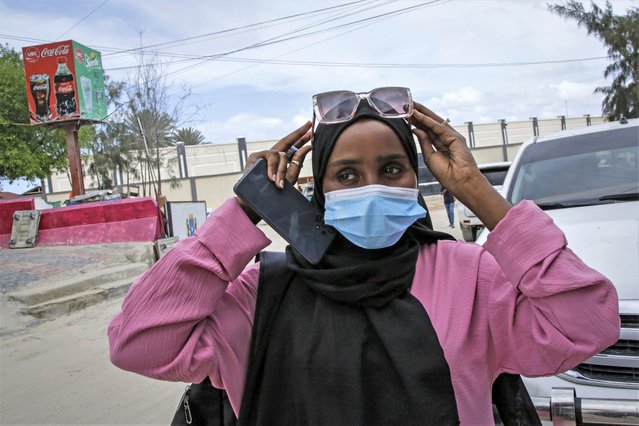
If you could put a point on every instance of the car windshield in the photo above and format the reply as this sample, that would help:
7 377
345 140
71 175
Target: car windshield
585 169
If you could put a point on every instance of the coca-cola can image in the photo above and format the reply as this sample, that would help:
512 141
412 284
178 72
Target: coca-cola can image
40 92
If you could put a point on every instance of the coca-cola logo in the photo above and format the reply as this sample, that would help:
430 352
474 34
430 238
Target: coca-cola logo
79 55
42 86
63 49
64 88
32 54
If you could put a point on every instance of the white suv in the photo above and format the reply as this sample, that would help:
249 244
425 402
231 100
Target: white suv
587 180
470 224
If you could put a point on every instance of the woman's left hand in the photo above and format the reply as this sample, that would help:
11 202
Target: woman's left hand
451 162
444 149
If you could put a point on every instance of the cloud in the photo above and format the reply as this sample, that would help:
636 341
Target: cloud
574 90
267 101
465 96
253 127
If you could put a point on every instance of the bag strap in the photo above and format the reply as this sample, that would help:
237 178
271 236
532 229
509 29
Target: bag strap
274 281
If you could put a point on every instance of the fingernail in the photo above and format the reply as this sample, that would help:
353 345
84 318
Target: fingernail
282 183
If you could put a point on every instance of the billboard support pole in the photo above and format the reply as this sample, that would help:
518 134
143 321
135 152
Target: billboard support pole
75 161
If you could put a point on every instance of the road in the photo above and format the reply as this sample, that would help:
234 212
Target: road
58 372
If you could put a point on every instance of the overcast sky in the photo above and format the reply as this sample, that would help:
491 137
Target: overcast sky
441 49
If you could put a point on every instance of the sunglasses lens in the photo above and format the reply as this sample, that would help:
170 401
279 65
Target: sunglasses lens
336 106
392 101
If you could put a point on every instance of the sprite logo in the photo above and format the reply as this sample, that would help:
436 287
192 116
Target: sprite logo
92 61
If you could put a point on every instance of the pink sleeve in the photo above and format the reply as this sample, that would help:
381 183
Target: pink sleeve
190 315
548 310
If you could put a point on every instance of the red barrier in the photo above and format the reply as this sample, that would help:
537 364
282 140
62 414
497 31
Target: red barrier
128 220
7 209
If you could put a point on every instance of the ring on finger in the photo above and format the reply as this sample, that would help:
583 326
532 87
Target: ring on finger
445 122
297 163
292 150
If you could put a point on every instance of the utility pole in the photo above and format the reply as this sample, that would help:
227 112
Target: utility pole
75 160
157 155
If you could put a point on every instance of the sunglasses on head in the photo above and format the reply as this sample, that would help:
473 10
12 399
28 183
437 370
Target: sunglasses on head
340 106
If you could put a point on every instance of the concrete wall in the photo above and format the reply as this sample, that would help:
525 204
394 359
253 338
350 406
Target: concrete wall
212 170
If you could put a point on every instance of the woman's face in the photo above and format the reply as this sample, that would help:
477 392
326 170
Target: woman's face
368 152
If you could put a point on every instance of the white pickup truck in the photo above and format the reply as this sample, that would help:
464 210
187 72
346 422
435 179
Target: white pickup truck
470 224
587 180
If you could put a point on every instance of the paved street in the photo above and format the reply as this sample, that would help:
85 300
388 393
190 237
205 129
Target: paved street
58 372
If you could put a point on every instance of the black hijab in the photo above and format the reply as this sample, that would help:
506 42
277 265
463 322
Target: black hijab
348 343
324 141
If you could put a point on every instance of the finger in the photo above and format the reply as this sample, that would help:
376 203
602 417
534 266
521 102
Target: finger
273 164
429 135
296 163
252 159
425 143
303 140
441 134
427 112
289 140
281 169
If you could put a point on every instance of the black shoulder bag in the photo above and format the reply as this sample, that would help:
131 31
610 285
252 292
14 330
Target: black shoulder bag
202 404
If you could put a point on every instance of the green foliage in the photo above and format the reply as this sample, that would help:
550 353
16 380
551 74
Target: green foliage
157 126
620 34
111 147
189 136
25 151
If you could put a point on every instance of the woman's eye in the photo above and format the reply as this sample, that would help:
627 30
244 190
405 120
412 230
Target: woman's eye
391 170
345 176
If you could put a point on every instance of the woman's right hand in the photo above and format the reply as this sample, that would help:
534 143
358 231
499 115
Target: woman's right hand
278 165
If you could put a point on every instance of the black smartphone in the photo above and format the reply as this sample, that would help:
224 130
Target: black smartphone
287 211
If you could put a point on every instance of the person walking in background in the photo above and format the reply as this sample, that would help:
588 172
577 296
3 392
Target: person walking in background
449 203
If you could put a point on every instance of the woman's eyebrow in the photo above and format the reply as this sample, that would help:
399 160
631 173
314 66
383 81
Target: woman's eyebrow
345 162
383 158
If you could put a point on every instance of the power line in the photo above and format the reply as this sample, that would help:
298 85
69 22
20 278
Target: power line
407 65
277 39
359 26
82 20
273 40
235 28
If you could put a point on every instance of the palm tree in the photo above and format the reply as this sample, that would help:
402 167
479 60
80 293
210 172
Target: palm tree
152 130
189 136
621 35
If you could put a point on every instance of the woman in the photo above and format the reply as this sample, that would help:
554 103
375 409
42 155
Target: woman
398 324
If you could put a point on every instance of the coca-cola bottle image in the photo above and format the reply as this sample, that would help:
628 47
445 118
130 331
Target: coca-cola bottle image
40 90
64 89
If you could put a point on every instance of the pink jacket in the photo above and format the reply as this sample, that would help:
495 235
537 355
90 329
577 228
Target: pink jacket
523 303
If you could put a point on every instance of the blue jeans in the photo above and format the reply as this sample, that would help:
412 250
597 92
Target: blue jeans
450 210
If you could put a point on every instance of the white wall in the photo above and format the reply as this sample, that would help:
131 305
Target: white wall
213 169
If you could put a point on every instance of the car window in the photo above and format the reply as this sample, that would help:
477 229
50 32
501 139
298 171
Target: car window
495 176
586 169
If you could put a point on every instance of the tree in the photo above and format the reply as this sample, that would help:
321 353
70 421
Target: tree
153 115
113 148
188 136
26 151
620 34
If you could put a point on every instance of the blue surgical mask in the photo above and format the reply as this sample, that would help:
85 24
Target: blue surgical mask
372 216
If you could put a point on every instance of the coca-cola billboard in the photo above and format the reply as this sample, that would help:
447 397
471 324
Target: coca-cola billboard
65 81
